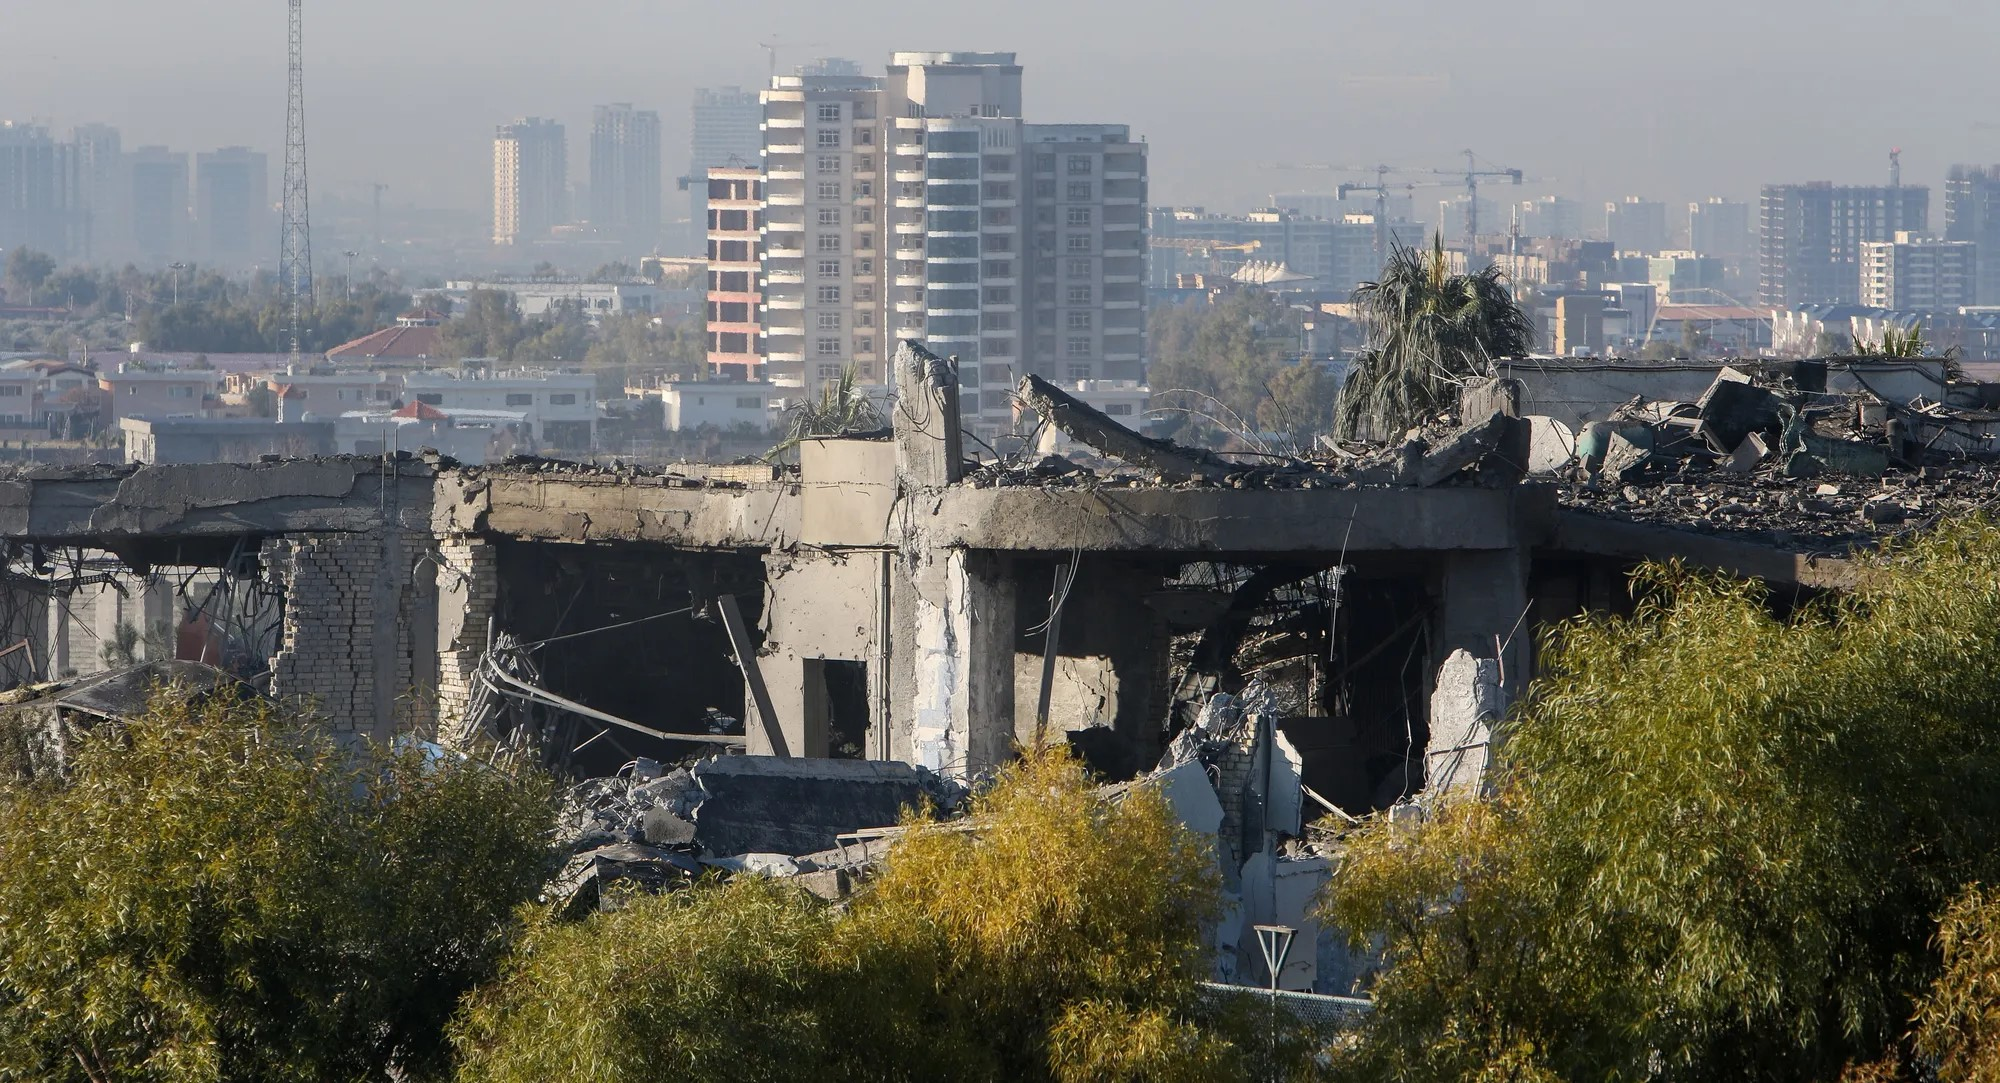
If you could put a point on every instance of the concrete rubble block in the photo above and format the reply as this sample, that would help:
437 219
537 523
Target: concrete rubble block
1466 704
762 804
1733 408
1626 454
1551 445
1748 455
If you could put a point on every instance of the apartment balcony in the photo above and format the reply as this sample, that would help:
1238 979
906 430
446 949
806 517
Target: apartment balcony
908 176
784 227
1124 175
909 307
785 304
909 253
785 199
792 357
909 227
1119 280
771 123
908 150
778 173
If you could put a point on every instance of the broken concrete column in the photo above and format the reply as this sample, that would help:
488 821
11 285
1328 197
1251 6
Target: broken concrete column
963 652
1465 704
929 445
468 586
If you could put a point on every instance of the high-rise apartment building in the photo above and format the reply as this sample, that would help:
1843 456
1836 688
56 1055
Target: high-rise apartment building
1551 216
920 205
232 207
155 205
1972 213
1911 273
625 187
1719 227
734 211
99 175
1636 225
1809 237
727 132
530 180
41 203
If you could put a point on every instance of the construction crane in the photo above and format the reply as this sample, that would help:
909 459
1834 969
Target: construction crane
1472 175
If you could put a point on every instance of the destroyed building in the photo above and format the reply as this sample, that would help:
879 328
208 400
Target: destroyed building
897 599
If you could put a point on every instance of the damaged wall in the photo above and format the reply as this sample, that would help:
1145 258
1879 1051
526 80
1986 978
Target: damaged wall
819 607
359 641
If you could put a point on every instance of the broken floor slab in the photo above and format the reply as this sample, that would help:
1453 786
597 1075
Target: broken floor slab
762 804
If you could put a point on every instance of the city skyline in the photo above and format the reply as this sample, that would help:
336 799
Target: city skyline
1412 87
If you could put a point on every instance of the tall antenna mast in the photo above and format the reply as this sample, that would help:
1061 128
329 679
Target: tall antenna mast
295 264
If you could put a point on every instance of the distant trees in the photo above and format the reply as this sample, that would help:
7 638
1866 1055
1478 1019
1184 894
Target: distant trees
1213 363
27 271
1428 329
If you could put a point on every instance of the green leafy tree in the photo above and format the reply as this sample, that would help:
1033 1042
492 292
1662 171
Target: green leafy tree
1301 404
1719 845
842 407
490 326
1057 940
27 271
213 894
1213 364
1428 329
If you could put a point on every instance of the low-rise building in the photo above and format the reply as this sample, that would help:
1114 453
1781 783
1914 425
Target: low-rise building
540 297
130 391
558 409
472 437
168 440
722 404
417 340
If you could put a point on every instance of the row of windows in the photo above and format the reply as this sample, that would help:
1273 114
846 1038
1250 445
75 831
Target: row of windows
830 216
829 191
830 347
436 398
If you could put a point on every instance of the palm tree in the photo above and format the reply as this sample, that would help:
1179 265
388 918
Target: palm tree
843 407
1428 329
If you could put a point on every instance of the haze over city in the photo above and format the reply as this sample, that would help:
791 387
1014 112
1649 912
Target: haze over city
1673 103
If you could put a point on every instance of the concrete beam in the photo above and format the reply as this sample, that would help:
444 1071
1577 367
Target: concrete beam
210 500
1232 521
564 507
1581 532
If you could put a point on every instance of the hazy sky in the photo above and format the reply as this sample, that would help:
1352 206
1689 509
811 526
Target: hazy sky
1667 100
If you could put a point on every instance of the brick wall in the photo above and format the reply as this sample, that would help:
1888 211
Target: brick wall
468 585
359 633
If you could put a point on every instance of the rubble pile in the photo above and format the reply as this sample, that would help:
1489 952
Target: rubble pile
1827 515
653 828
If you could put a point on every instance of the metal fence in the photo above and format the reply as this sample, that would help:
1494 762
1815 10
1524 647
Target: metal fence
1315 1010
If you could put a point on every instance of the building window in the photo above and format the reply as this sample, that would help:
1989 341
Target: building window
864 242
10 391
1077 268
562 400
829 268
1076 347
999 268
829 295
864 137
829 137
828 321
829 163
829 191
830 242
864 319
829 372
1079 321
1079 190
864 266
1077 216
864 215
829 112
1079 165
999 295
430 398
520 400
1079 295
752 402
865 164
1078 242
830 216
1079 372
864 291
1045 189
1112 409
827 347
864 344
1045 163
864 189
